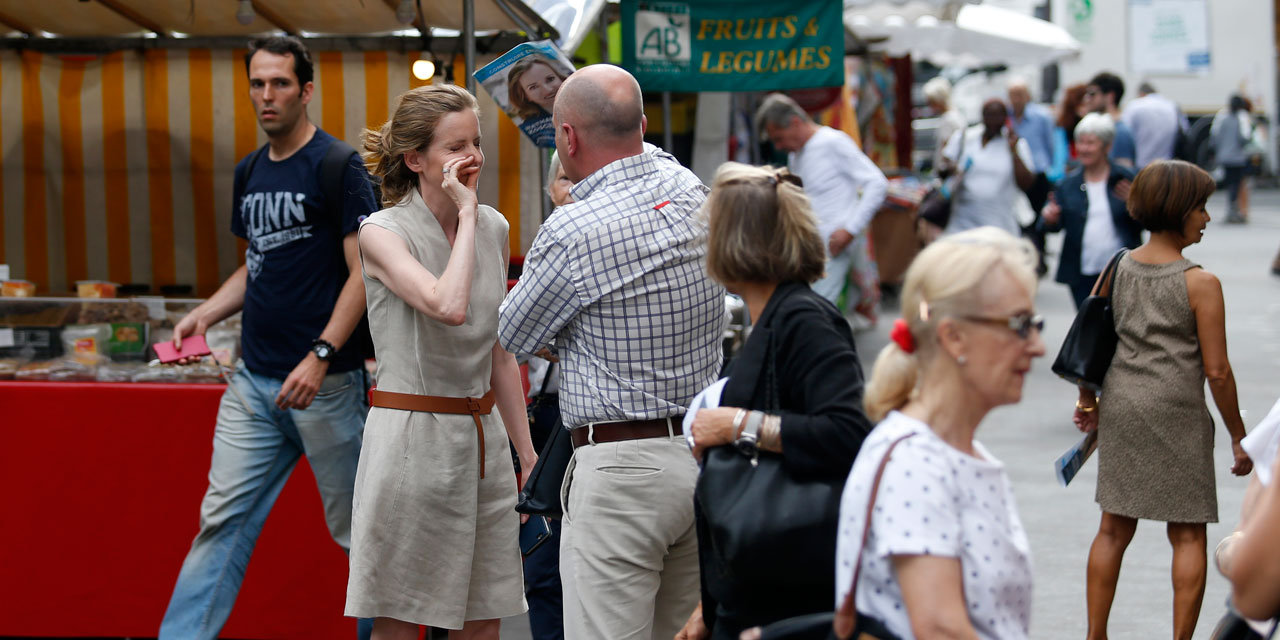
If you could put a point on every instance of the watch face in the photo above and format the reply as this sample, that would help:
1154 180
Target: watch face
323 352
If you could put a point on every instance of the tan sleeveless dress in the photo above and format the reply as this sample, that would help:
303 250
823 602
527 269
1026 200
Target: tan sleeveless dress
432 543
1155 434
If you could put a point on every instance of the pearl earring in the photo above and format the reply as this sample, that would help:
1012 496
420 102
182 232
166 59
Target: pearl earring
961 360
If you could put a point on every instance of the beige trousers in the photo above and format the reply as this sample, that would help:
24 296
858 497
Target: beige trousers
629 551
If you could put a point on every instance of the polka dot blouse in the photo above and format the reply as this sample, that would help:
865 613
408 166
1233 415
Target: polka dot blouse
935 500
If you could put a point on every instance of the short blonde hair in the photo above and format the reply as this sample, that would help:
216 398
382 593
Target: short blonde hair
411 128
950 278
938 90
762 228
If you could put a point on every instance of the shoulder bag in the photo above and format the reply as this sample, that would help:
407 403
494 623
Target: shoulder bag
819 626
540 495
1086 353
762 522
935 208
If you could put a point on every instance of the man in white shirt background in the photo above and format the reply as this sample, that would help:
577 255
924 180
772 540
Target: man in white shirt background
1155 122
846 188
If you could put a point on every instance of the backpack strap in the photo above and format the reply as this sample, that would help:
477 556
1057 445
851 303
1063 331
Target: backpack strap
242 177
332 170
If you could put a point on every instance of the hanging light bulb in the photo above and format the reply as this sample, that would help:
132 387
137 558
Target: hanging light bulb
424 69
406 12
244 14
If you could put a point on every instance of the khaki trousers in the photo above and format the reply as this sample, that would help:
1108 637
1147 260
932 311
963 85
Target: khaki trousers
629 550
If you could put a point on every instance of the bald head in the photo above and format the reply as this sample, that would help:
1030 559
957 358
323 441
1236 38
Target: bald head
599 118
1019 94
601 101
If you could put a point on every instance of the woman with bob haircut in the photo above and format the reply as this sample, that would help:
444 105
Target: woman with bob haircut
1155 434
1089 205
763 245
434 529
946 554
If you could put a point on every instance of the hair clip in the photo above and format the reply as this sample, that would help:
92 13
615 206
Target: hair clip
786 176
901 335
924 311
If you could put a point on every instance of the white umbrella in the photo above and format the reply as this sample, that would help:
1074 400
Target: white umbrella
980 35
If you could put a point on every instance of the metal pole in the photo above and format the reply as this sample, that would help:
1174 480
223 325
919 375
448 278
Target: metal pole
469 42
544 160
668 140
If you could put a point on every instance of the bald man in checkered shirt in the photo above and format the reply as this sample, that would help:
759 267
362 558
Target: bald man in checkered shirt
617 281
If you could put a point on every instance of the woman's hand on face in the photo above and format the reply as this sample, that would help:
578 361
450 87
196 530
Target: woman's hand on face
460 178
712 428
1243 465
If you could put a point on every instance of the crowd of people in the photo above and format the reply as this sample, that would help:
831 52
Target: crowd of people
800 495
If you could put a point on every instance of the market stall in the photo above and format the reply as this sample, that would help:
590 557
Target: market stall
103 485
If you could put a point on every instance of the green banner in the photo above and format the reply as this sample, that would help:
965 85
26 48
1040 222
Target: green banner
733 45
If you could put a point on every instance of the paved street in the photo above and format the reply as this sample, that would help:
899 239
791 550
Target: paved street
1028 437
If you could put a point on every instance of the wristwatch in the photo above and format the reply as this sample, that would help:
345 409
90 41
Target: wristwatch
324 349
750 435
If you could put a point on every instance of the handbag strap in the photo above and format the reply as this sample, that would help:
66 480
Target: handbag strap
1109 274
847 607
546 378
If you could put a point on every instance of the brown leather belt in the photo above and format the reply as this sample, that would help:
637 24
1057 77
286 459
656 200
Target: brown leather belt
602 432
476 407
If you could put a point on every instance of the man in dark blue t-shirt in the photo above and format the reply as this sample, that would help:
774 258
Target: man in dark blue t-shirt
298 390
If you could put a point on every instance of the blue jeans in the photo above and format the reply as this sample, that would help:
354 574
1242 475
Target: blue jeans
254 451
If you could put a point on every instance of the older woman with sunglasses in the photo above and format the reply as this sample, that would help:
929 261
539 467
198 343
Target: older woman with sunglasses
945 554
1155 434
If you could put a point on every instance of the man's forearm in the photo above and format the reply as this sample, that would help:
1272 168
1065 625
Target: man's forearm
346 312
228 299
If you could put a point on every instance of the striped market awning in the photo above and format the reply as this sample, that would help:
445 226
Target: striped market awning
119 166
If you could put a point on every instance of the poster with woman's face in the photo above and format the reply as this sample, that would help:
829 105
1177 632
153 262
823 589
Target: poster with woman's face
524 82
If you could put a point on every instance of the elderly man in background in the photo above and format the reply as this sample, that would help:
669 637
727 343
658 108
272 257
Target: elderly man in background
1033 123
1155 122
617 279
844 185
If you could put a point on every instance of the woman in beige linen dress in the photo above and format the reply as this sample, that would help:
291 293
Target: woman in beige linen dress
1155 434
434 532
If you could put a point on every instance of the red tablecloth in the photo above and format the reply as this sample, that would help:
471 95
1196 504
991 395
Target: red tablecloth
101 488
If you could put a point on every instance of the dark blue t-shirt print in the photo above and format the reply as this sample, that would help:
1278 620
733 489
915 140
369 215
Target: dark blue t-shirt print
296 267
274 219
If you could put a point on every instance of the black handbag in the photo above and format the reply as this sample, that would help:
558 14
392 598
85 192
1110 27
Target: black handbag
540 495
1089 346
762 522
935 208
823 626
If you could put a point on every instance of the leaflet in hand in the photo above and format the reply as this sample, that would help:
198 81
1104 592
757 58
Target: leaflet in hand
1070 463
708 398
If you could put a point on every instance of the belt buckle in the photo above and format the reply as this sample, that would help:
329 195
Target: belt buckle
473 405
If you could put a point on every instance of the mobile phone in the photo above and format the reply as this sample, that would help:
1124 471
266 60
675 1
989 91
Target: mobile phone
533 533
192 346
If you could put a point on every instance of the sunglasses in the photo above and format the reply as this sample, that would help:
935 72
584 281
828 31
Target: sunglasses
1021 324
